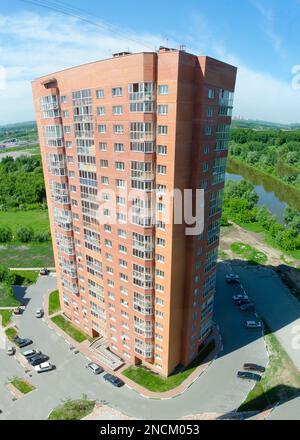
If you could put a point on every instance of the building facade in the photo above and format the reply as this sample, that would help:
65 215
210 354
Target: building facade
142 122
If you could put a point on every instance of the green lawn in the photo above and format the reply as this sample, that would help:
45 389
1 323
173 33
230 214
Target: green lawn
69 328
27 255
25 277
6 316
11 333
249 253
7 298
280 382
37 219
22 385
54 303
73 410
154 382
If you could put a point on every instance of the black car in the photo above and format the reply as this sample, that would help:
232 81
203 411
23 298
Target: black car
254 367
249 376
21 343
242 302
115 381
44 272
39 359
248 306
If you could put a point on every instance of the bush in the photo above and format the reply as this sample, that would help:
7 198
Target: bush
6 276
42 237
5 234
25 234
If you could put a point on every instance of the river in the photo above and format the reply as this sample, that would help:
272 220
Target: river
271 192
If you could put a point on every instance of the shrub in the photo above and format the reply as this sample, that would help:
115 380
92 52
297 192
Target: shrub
5 234
25 234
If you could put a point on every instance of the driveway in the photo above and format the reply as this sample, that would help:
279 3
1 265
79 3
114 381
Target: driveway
276 304
216 390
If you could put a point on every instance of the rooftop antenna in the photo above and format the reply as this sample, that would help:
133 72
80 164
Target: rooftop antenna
182 47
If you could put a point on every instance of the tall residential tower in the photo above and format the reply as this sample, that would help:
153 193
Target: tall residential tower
145 121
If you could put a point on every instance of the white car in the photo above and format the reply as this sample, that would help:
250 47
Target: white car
39 313
11 351
45 366
232 278
239 297
253 324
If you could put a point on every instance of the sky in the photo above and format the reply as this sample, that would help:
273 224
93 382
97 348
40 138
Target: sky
260 37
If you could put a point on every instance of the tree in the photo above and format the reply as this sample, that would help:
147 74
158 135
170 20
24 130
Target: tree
5 234
25 234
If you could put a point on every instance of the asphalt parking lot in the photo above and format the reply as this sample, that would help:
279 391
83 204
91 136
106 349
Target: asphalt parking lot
216 390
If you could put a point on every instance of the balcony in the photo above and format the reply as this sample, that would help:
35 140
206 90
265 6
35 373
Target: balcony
141 136
83 118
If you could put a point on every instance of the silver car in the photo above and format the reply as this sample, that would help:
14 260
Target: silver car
39 313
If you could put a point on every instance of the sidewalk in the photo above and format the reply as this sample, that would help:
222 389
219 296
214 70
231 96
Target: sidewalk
83 347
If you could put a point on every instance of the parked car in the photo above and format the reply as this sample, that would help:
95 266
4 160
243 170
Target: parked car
239 297
254 367
38 359
28 354
22 342
44 272
94 368
249 376
232 278
18 311
253 324
39 313
11 351
45 366
242 302
248 306
115 381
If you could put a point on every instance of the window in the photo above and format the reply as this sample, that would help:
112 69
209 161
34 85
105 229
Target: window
119 147
162 109
211 94
117 110
163 129
65 114
162 150
118 129
206 149
67 129
160 258
117 91
103 163
99 93
100 111
120 183
160 242
205 167
68 144
102 146
63 99
102 128
161 169
104 180
120 166
208 130
210 112
163 89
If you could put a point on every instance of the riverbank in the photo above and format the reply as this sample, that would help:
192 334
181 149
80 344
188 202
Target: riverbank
271 183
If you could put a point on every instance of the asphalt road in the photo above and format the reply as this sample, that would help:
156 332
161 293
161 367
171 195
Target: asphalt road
216 390
274 302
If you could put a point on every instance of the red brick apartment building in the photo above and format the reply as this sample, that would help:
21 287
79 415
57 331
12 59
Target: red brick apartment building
151 120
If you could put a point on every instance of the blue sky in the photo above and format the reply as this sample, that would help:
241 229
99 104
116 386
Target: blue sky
259 36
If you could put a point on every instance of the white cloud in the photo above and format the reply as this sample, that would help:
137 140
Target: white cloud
32 45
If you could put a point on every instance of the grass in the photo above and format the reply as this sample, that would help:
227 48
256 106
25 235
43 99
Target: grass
7 298
280 382
6 317
22 385
11 333
38 219
73 409
54 303
249 253
27 255
69 328
25 277
154 382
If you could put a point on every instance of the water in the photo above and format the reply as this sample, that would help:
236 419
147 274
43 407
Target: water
272 193
266 198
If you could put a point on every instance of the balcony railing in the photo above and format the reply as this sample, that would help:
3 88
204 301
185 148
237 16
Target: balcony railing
86 134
